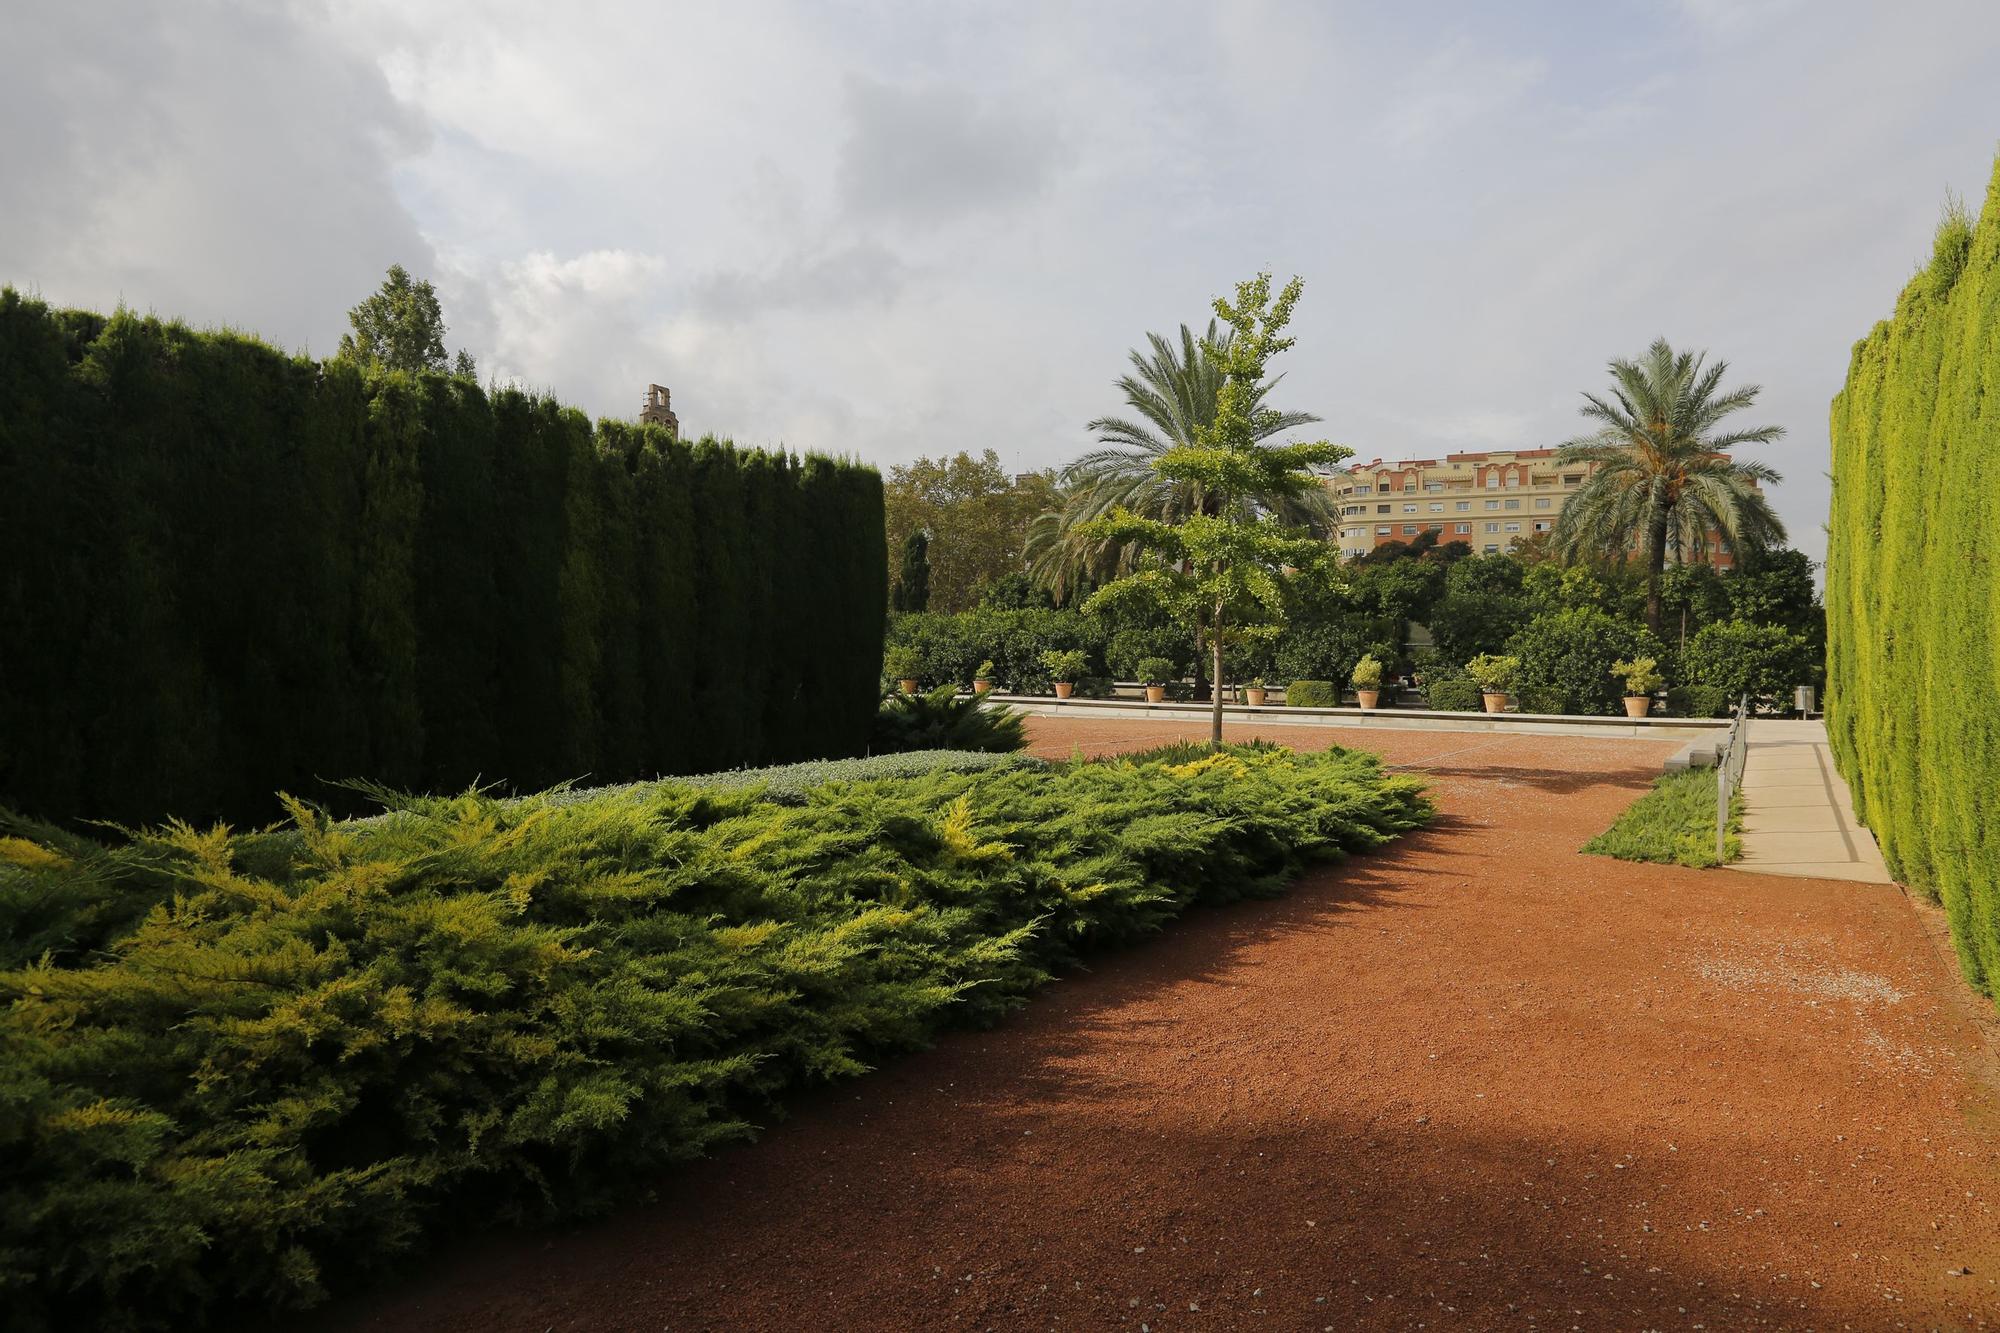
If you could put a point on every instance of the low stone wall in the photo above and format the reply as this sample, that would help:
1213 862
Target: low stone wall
1691 729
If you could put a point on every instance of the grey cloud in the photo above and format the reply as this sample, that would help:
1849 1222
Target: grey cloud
856 275
932 153
218 162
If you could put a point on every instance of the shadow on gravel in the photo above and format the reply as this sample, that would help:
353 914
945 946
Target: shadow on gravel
1555 783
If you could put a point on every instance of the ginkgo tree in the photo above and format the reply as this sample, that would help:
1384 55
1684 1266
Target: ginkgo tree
1222 570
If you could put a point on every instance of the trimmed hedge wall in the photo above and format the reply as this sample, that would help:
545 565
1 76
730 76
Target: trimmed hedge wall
225 570
1912 589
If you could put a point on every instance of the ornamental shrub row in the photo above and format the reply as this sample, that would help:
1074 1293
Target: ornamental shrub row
1912 589
238 1071
225 570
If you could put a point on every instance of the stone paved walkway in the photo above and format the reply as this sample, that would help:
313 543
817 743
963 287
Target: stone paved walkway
1798 816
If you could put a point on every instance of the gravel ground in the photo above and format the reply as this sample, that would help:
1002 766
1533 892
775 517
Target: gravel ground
1474 1081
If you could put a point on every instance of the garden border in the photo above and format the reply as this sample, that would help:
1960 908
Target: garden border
1694 729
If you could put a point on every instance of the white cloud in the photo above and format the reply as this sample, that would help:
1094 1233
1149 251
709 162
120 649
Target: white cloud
887 229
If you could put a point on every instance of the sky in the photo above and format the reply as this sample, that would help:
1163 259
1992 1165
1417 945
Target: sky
890 230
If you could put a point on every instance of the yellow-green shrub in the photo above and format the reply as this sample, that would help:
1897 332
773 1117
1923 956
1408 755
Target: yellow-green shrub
1912 587
235 1070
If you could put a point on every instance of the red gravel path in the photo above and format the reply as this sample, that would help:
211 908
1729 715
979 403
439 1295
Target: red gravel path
1474 1081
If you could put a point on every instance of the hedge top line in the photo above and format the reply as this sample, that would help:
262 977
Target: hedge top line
85 327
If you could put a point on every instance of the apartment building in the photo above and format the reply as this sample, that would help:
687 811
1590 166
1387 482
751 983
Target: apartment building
1490 501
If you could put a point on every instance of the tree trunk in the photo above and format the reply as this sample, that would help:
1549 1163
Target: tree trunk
1215 711
1656 564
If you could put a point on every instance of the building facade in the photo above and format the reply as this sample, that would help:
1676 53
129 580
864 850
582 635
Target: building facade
658 409
1491 501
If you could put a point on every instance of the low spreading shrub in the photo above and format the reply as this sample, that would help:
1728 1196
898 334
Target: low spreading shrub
789 784
243 1069
944 719
1312 694
1674 824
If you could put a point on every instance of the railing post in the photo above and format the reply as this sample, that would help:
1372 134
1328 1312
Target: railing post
1722 797
1730 773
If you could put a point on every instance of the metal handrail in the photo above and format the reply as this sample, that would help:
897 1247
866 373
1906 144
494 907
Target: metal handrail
1729 773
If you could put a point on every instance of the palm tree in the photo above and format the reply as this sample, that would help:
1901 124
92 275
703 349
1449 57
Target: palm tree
1662 478
1172 392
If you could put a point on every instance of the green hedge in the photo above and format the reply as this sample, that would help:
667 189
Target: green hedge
1453 693
1912 588
950 646
245 1070
1312 694
225 570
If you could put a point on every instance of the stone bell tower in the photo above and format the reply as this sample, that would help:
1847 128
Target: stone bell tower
658 410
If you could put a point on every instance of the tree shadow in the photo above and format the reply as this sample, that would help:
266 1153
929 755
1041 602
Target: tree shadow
1101 1157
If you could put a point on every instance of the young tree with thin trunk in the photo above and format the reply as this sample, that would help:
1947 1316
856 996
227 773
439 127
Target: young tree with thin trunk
1220 567
1663 480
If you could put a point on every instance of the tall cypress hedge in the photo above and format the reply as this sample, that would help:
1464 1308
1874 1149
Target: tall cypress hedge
1913 584
225 571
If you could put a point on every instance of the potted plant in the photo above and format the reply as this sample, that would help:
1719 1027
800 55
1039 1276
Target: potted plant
982 679
1065 665
1367 681
1641 679
903 666
1494 675
1255 692
1153 674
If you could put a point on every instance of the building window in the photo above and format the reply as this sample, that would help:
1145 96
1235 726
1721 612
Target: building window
1437 506
1493 481
1493 527
1491 549
1573 479
1513 504
1381 509
1492 504
1409 509
1513 527
1409 485
1382 486
1382 531
1463 529
1513 479
1409 529
1542 503
1541 527
1463 505
1433 485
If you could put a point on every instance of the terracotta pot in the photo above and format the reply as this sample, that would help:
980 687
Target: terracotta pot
1155 693
982 687
908 684
1063 688
1637 704
1369 698
1256 696
1495 703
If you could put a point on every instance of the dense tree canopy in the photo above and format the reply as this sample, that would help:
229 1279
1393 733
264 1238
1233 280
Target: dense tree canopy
976 516
401 327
